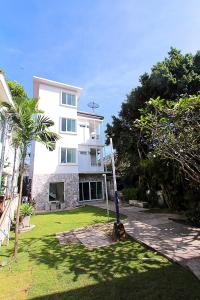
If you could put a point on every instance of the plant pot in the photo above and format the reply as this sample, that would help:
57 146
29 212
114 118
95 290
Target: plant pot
26 221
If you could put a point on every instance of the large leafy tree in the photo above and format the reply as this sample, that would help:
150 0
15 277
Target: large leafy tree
173 131
176 75
28 123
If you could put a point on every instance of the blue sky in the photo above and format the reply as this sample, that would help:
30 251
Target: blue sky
102 46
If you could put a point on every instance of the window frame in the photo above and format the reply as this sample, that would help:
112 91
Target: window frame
68 105
66 149
68 132
86 181
54 182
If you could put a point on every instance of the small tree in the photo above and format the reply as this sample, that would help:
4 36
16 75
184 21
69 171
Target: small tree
28 124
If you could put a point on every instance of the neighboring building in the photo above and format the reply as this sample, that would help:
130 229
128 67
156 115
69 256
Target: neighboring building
6 150
72 173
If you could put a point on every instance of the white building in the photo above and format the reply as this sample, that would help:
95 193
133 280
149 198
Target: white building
72 173
6 149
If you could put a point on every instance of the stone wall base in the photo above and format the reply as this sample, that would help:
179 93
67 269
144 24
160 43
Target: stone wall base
40 189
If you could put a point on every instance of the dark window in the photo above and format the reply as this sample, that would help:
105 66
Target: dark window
56 191
86 192
93 188
99 190
81 191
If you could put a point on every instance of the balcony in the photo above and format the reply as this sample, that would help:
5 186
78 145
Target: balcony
91 161
90 132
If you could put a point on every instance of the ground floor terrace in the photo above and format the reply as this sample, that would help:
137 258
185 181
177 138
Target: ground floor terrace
60 191
122 271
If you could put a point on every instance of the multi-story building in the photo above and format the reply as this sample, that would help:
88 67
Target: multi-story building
6 149
72 173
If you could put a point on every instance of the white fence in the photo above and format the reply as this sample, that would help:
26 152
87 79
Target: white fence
7 218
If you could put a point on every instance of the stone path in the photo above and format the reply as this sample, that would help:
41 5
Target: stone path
91 237
176 241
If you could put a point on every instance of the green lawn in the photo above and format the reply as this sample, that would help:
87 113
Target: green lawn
46 270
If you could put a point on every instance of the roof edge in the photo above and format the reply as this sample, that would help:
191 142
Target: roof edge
89 115
56 83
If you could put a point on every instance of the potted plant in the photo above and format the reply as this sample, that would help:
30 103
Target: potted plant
26 210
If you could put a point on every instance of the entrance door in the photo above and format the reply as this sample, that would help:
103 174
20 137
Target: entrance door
90 191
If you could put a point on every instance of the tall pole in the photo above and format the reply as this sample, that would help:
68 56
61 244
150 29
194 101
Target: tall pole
115 183
106 191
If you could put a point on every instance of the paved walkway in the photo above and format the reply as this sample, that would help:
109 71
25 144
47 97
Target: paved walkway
176 241
93 236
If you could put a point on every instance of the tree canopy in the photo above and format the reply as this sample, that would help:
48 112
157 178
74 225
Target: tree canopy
177 75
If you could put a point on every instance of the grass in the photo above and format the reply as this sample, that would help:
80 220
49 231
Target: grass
46 270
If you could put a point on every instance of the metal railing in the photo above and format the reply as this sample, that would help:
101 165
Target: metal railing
6 219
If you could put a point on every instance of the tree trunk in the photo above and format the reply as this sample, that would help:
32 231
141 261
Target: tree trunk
13 173
18 205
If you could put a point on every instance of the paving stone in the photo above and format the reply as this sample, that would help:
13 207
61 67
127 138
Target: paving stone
176 241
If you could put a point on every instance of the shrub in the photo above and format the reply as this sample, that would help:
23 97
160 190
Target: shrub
130 193
193 216
26 209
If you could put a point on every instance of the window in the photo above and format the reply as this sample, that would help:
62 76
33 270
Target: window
68 99
83 152
68 125
68 155
95 157
56 191
90 190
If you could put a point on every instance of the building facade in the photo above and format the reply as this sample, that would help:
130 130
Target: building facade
72 173
6 149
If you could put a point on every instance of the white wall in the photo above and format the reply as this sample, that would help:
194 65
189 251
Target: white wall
47 162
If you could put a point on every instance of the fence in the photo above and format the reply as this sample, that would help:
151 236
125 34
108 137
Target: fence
6 219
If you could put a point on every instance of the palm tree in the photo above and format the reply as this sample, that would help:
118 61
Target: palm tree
28 124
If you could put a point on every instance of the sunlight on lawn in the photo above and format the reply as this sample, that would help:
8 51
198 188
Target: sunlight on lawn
73 272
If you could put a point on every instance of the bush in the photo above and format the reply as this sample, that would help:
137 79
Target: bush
130 193
193 216
26 209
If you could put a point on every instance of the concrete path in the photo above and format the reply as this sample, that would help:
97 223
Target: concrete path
177 242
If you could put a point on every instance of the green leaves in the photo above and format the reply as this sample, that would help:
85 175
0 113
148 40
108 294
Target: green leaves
27 125
174 132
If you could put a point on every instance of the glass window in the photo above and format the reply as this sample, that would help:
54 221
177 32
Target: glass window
81 191
68 99
93 157
56 191
90 190
63 155
99 190
68 155
68 125
93 189
63 124
86 191
71 125
64 98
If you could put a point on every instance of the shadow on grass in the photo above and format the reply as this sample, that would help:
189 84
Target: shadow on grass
149 285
